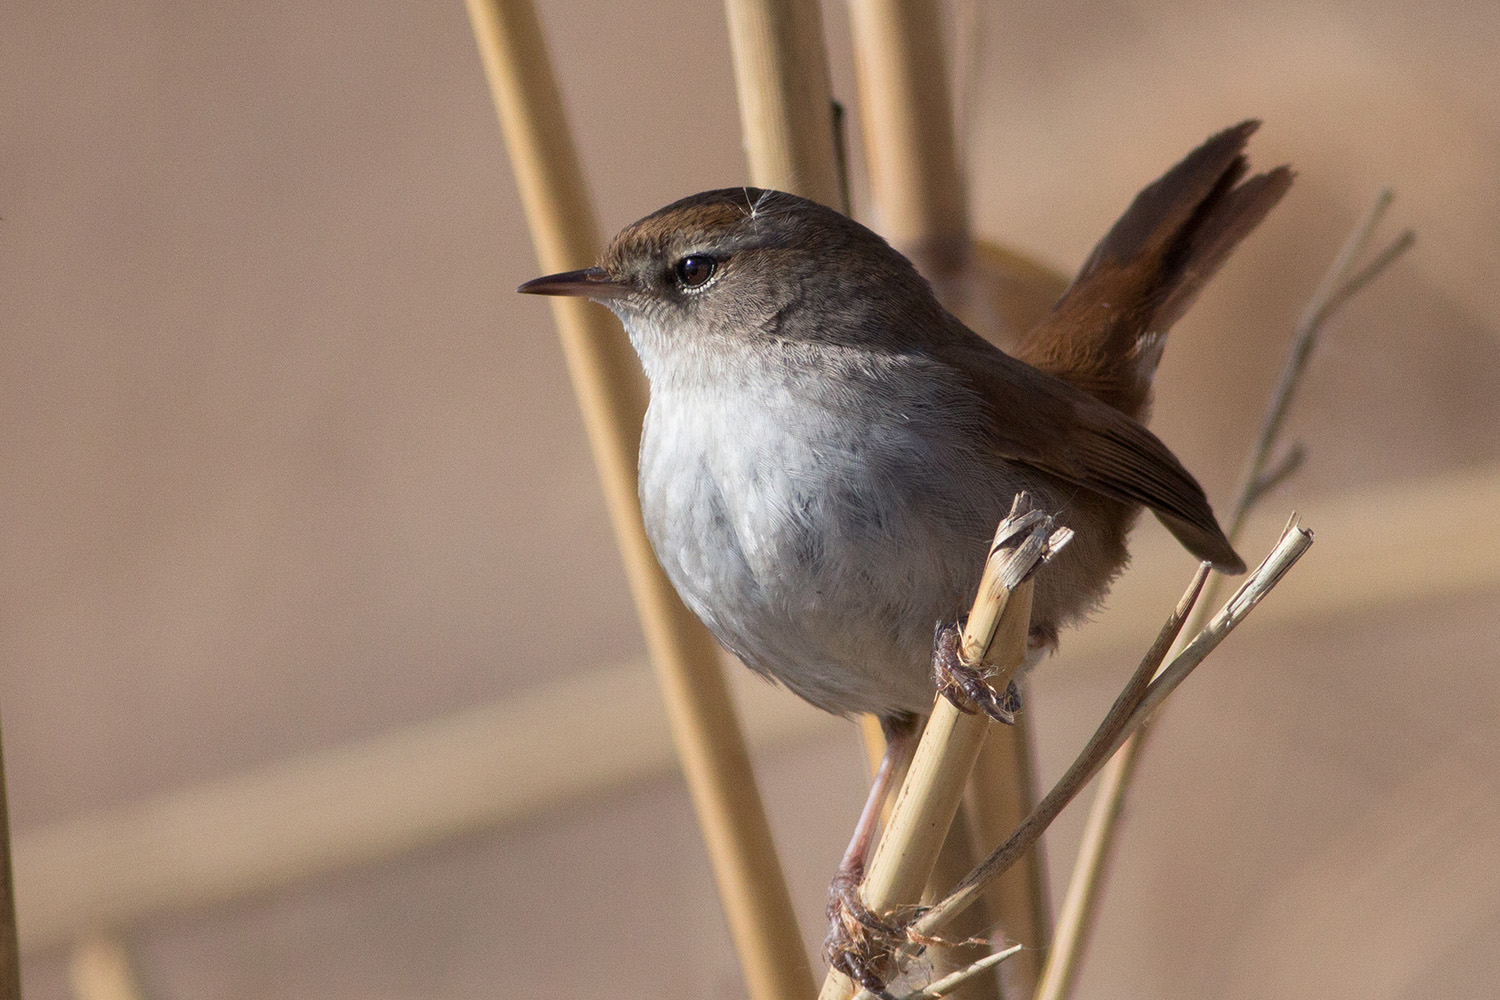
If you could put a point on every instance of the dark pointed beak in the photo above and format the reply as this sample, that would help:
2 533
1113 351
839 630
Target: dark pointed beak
591 282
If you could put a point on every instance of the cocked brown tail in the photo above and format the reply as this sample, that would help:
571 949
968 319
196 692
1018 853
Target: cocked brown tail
1106 334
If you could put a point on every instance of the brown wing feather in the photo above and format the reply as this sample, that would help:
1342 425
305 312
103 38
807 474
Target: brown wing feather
1043 422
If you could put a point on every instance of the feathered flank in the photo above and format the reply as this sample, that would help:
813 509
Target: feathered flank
1107 332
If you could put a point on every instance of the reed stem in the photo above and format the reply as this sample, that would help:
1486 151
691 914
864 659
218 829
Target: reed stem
611 395
995 635
1342 281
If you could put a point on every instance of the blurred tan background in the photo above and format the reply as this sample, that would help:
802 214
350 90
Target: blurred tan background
287 464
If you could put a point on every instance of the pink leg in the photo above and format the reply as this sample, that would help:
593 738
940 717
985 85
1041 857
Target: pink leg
851 924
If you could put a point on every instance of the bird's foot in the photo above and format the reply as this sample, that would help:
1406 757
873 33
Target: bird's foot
968 687
860 944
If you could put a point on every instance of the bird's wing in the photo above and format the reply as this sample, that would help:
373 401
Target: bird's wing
1041 421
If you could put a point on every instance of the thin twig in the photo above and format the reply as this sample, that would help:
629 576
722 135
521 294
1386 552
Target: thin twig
1339 284
953 980
1094 752
1128 714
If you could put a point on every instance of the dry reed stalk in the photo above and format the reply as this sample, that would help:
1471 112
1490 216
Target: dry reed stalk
785 96
1140 698
920 203
10 947
512 759
995 635
915 179
960 852
611 395
967 938
793 142
100 968
1341 282
1001 793
950 984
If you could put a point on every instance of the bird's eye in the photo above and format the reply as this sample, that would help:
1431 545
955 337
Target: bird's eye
694 270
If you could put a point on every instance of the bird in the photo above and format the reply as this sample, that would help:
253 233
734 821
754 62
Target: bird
827 450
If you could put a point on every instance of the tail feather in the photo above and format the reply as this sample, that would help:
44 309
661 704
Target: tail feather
1106 333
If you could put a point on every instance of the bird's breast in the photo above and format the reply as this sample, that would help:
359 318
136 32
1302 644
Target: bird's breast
819 545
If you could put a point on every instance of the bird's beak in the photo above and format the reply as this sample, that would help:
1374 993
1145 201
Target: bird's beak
591 282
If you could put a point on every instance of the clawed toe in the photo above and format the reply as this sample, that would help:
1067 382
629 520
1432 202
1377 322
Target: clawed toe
859 942
965 686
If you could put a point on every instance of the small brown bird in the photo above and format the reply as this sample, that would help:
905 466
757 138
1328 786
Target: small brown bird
827 450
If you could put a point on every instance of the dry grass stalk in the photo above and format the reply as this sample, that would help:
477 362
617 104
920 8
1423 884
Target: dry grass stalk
915 179
1342 281
1132 708
785 96
101 968
950 983
994 635
1001 793
612 398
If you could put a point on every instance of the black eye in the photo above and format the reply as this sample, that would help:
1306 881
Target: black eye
695 270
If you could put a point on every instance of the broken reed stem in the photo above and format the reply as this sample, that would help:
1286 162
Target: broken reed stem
1339 284
611 396
1130 711
785 96
995 635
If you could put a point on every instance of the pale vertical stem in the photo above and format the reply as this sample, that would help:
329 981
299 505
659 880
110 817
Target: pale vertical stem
958 856
925 806
915 178
785 96
1001 793
917 185
995 634
100 968
612 398
1072 928
960 852
924 809
10 949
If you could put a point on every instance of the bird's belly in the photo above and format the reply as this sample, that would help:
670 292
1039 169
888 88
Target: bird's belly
818 563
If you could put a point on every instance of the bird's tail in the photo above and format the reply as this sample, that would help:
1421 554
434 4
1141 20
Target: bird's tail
1106 334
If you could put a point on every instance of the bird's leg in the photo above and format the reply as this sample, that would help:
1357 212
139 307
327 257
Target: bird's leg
966 686
856 934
